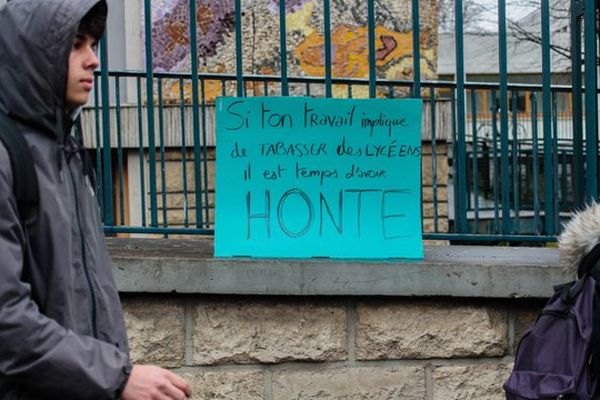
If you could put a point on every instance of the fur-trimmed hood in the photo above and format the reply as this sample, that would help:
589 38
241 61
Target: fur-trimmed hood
579 237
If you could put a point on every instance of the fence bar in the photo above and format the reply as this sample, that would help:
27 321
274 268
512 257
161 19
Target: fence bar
327 32
460 184
515 162
106 147
183 154
564 193
195 112
372 65
141 149
150 113
100 171
547 110
475 172
481 238
578 161
536 169
161 138
119 152
283 49
433 159
495 162
454 154
504 169
591 101
158 230
416 34
555 159
239 72
204 159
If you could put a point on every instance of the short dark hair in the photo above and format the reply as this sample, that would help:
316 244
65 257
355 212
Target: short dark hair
94 21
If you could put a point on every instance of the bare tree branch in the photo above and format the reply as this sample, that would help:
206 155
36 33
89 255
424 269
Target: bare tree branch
474 10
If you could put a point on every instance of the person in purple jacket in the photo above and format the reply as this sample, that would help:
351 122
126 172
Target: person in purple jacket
62 333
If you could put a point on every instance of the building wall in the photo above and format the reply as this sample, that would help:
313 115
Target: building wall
288 348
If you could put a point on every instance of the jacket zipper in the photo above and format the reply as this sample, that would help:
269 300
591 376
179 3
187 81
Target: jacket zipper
84 259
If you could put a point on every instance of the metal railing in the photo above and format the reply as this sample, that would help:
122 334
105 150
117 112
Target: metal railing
512 174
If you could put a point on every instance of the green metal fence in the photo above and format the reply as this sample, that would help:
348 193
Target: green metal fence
513 174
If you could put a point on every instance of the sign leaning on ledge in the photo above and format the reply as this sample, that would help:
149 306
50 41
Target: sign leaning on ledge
300 177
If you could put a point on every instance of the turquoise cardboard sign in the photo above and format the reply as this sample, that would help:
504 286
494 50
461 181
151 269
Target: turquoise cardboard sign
304 177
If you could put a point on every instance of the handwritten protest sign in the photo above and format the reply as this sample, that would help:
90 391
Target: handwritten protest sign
305 177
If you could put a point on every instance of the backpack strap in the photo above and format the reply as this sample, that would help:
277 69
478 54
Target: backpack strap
25 183
589 262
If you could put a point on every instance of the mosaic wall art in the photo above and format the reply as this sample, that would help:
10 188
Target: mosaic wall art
215 21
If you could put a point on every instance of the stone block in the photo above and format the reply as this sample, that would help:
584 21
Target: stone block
174 176
429 225
441 171
177 217
383 383
441 148
441 192
471 382
422 330
177 200
230 385
429 209
524 319
156 331
242 332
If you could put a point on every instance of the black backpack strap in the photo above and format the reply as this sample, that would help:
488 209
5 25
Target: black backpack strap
25 182
588 262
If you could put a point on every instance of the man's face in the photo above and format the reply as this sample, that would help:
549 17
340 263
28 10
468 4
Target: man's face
82 63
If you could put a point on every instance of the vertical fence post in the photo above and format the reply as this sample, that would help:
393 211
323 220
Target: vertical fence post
591 100
283 49
460 184
416 50
106 145
327 32
547 114
141 150
195 113
100 171
578 161
239 72
504 167
371 34
536 169
150 114
119 152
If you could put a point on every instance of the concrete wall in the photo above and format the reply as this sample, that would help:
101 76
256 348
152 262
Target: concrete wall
439 329
284 348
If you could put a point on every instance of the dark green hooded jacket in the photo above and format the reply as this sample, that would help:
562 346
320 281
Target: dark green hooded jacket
62 334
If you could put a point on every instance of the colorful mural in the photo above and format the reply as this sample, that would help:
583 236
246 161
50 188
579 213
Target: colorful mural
215 21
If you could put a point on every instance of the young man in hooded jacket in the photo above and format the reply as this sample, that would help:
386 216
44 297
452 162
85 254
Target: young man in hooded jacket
62 334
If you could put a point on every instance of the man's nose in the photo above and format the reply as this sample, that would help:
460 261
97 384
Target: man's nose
92 59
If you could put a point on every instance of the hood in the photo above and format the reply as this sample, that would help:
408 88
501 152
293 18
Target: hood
580 235
34 59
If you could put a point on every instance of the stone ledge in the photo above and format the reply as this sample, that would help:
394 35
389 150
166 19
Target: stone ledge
187 266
